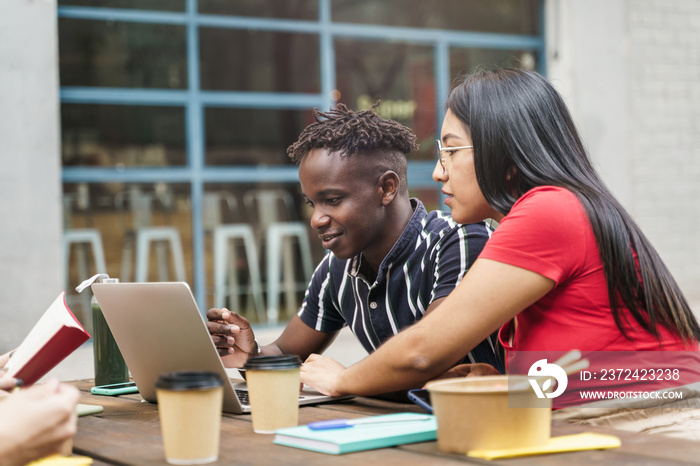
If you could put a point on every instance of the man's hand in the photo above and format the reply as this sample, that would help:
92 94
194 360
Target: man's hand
322 374
469 370
232 336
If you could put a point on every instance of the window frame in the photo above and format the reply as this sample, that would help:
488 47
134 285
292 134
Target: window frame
194 100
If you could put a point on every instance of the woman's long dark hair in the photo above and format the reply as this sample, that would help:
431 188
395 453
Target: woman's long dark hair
524 137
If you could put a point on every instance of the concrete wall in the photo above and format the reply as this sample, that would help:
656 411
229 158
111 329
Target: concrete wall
30 179
630 71
586 62
664 91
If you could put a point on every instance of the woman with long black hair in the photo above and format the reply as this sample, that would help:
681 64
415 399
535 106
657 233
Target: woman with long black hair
567 268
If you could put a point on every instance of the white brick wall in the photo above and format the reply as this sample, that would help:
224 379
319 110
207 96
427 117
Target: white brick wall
630 73
663 72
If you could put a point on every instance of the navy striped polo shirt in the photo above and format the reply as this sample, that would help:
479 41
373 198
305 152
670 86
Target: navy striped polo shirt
427 261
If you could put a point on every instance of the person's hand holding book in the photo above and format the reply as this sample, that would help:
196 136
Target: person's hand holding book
7 383
5 358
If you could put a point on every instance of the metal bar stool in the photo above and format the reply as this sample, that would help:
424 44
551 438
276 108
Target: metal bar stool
83 239
143 235
160 236
278 238
269 207
225 238
85 242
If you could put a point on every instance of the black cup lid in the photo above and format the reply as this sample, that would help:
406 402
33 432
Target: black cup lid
266 363
194 380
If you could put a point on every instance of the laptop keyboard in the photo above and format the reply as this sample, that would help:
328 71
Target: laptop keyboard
243 397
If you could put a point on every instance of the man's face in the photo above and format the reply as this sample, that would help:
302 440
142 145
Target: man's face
348 214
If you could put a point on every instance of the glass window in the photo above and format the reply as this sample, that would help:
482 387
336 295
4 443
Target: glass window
285 9
245 136
116 210
255 205
430 197
499 16
401 75
263 61
121 54
136 57
463 60
122 135
168 5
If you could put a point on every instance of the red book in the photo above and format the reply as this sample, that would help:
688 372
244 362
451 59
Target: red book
57 334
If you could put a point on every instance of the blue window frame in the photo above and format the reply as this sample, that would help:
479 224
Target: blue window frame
194 100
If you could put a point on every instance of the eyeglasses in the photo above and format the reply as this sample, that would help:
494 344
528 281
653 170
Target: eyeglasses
441 156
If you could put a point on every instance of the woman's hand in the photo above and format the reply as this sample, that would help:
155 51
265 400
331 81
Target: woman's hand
5 358
7 383
322 374
37 422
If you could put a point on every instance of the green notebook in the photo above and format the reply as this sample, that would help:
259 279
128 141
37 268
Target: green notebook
362 436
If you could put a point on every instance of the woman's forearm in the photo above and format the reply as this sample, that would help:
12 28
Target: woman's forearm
403 362
476 308
400 363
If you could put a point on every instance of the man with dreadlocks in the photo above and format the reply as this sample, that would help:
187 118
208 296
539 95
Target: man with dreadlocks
390 261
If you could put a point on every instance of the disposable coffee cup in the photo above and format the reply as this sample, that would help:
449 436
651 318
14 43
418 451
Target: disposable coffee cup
189 405
273 392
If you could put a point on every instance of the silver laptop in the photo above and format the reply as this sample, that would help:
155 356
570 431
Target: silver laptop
159 328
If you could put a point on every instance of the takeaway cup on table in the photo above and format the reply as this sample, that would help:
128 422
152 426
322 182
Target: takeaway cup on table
189 405
273 391
489 413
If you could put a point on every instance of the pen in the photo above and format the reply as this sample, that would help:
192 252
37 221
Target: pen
344 423
18 384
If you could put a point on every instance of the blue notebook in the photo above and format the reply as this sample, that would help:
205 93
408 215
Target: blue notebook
397 430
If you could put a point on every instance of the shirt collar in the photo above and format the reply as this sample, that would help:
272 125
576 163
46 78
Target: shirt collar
402 246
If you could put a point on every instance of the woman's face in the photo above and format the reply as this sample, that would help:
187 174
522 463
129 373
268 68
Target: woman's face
458 177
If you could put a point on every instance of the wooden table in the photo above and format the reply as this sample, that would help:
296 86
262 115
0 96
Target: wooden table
128 433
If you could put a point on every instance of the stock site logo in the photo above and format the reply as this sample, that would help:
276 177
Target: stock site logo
543 373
